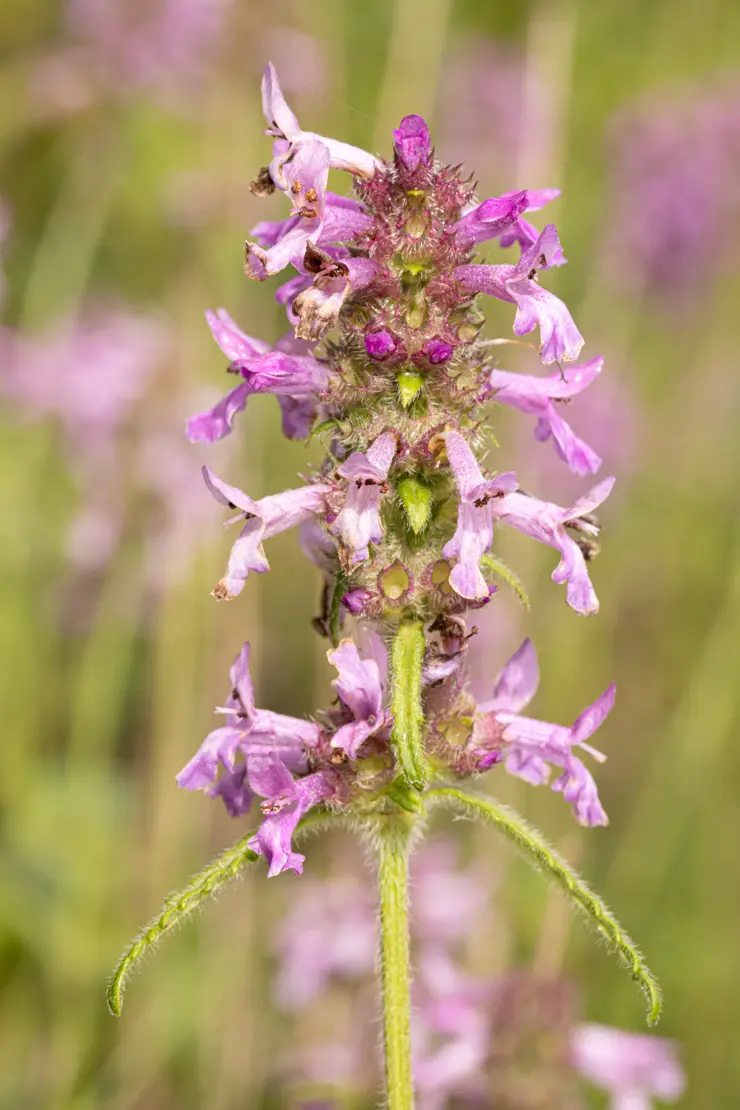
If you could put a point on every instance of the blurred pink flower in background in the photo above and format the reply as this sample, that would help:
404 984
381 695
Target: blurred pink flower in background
479 1040
88 372
91 375
675 172
300 58
118 47
633 1068
481 99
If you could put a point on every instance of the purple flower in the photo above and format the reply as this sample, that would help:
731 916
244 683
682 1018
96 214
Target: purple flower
316 309
491 218
544 521
633 1068
539 396
438 350
304 178
474 533
246 731
344 219
217 422
529 745
526 234
358 523
287 800
360 689
234 343
355 600
264 518
379 344
412 143
535 306
288 372
283 125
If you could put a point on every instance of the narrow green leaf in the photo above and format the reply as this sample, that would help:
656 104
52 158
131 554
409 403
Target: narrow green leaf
407 739
416 499
409 385
505 574
340 587
183 902
546 859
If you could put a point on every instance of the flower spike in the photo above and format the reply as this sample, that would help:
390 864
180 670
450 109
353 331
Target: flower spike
384 366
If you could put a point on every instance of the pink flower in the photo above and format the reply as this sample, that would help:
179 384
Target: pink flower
358 524
474 533
546 522
529 746
540 396
264 518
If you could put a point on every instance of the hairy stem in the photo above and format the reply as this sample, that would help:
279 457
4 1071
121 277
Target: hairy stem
539 852
393 836
407 656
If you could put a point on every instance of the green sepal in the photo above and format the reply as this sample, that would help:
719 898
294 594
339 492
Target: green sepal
405 796
546 859
506 575
407 738
409 384
417 501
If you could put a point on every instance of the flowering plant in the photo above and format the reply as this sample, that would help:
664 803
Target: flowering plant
385 362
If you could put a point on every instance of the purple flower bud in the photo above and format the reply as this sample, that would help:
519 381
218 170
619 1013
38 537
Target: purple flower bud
438 350
380 344
411 140
354 601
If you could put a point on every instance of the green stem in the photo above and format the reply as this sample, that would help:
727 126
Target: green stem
546 859
394 834
407 656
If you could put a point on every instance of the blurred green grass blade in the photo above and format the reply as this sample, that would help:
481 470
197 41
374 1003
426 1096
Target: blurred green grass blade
546 859
65 253
700 728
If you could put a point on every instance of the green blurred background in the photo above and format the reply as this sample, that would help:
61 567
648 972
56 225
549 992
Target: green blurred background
126 187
